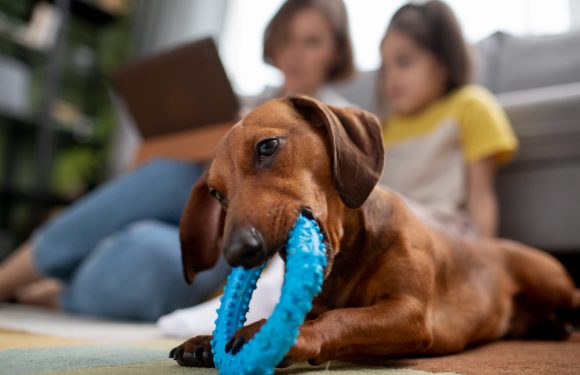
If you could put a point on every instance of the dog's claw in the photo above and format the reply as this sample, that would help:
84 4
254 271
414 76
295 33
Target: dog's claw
198 352
207 358
284 363
188 359
179 353
237 345
176 353
234 344
314 362
230 343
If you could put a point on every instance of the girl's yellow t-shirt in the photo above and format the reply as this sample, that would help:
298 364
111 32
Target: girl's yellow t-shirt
426 154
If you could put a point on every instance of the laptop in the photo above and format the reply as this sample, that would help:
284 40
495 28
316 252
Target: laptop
181 89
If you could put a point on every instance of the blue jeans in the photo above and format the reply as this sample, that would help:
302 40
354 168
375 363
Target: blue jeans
117 249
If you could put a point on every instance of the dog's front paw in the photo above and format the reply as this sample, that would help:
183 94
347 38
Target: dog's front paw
195 352
307 348
299 353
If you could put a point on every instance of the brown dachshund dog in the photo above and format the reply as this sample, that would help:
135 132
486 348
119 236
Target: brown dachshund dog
394 285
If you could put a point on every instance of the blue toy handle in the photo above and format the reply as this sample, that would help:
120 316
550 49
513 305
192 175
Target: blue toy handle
305 262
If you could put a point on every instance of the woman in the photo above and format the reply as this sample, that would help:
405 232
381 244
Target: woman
115 253
309 42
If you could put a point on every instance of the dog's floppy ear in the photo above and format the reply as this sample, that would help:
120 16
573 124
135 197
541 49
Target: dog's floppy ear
200 230
355 146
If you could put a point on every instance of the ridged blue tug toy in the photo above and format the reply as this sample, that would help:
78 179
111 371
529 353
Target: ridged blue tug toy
305 262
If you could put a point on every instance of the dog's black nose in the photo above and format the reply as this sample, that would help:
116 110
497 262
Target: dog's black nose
245 248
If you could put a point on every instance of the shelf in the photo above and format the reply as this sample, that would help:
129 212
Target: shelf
23 195
91 12
22 206
21 52
22 122
83 10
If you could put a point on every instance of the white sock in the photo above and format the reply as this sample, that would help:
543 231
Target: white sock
200 319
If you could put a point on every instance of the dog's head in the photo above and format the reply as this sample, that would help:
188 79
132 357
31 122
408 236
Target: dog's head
287 156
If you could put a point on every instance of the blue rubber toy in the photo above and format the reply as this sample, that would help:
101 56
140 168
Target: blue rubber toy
305 264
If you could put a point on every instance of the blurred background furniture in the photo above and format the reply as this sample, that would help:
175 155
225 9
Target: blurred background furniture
537 80
55 114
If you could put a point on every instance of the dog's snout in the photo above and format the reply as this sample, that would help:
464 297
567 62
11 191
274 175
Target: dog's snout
245 248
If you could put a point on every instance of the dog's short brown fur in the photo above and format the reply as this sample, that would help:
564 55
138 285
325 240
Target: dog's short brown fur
394 285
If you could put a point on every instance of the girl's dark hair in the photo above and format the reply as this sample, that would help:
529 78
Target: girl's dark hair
434 27
335 13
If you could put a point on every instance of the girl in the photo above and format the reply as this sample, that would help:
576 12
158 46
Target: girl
444 138
115 253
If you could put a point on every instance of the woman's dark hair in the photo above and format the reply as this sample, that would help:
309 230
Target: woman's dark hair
433 26
335 13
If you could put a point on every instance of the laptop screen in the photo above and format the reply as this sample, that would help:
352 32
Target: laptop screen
181 89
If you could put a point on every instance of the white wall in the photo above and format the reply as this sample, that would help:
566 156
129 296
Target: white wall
160 25
575 14
241 46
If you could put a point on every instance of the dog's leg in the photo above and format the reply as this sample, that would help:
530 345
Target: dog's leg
391 327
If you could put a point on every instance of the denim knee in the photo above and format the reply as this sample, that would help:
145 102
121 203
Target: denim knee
127 275
137 274
157 191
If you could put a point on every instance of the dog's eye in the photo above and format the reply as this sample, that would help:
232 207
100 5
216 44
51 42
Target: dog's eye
268 147
217 195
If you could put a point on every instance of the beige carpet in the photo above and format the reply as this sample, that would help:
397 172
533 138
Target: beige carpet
73 345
